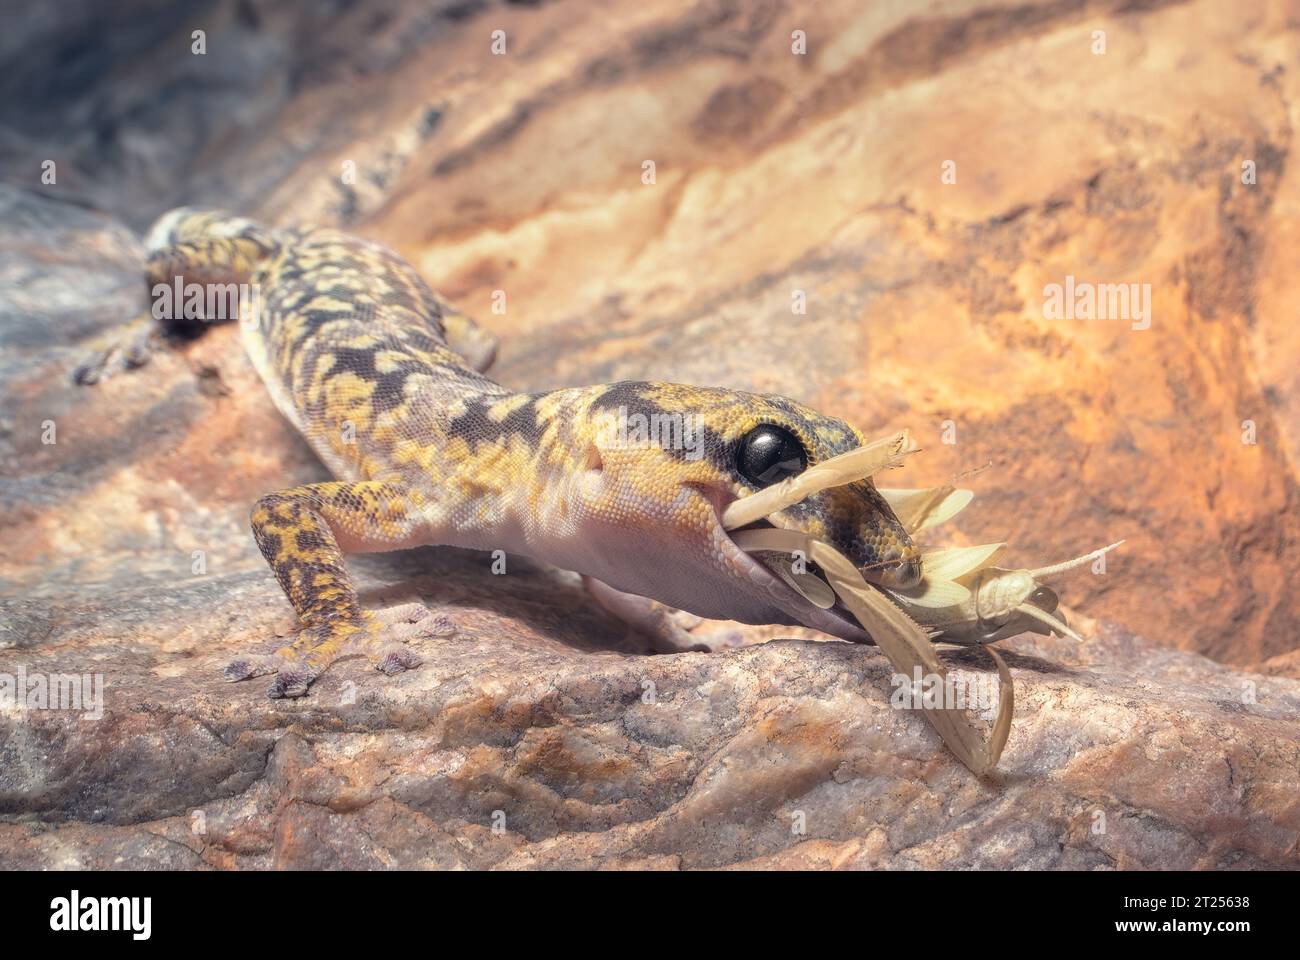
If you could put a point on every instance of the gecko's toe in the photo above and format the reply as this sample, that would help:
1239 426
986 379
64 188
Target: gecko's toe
404 613
137 353
98 364
246 669
396 660
439 625
292 677
238 670
86 373
381 639
410 620
291 683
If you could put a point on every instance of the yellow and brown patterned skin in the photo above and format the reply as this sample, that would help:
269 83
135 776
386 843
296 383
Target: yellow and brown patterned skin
383 378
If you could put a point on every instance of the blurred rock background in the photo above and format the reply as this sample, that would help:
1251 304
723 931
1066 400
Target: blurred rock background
1114 142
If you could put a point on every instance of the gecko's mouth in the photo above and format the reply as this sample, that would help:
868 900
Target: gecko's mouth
802 594
805 596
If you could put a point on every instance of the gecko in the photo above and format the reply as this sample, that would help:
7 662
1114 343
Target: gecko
386 381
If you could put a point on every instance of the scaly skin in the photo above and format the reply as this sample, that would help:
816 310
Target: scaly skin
382 377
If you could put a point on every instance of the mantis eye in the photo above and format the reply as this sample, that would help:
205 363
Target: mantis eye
1044 598
769 454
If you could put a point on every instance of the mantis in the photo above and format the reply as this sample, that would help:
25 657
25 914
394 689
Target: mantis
963 597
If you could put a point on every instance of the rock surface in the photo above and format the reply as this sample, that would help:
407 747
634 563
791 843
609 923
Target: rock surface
780 754
125 550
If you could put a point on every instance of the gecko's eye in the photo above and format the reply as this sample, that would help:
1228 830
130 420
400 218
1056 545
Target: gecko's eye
769 454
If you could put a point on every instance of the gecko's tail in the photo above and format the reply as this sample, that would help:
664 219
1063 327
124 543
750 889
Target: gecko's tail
249 241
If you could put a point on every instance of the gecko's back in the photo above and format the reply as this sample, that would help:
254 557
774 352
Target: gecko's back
353 346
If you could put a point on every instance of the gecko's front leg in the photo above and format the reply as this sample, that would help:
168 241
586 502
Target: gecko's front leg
303 532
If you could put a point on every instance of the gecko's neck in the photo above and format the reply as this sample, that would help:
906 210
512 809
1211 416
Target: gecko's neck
510 471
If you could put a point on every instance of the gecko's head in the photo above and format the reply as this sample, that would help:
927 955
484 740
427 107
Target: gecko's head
671 458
